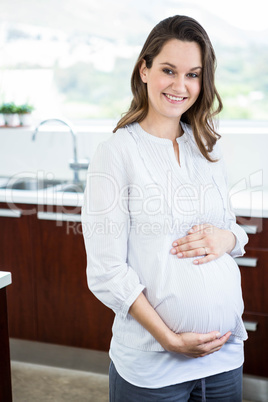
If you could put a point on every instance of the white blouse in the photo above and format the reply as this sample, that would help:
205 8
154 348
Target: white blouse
138 200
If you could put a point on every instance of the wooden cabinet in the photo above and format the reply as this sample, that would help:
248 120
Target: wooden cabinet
49 300
5 372
254 277
256 351
17 231
72 314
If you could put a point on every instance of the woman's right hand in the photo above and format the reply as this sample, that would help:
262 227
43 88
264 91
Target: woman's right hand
196 345
188 343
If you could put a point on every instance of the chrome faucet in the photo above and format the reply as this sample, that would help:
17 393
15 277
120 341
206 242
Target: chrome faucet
74 164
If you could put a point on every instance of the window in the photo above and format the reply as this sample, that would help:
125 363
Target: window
75 58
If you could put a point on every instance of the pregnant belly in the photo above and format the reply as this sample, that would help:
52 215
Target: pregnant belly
201 298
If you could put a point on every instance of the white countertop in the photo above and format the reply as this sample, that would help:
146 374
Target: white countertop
41 197
5 279
245 203
250 203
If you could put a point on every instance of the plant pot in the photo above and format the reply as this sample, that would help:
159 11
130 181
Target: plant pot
11 119
25 119
2 120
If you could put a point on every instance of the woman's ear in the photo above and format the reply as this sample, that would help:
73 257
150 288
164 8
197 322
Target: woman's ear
143 71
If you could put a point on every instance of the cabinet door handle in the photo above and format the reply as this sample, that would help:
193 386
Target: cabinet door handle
58 216
251 325
10 213
246 261
250 229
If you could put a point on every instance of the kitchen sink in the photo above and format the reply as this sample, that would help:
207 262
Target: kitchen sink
31 184
35 184
71 187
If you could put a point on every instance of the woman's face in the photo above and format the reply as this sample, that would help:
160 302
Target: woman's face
174 80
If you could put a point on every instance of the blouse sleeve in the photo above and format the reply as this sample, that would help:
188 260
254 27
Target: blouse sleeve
105 222
240 234
221 179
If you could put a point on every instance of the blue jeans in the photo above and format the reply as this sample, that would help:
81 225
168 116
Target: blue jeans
223 387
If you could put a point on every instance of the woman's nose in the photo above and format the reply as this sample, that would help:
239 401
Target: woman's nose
179 84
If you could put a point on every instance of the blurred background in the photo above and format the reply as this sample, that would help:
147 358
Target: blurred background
75 58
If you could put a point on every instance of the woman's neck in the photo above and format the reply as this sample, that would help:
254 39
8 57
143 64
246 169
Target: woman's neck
170 129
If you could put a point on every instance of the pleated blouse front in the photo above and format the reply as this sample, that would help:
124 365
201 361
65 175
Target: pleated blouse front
143 200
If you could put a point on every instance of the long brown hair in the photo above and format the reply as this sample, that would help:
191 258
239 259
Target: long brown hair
200 114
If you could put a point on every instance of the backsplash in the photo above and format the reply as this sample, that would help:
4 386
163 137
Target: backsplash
244 154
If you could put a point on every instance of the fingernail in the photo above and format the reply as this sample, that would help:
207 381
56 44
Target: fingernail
180 255
218 335
174 244
173 251
196 262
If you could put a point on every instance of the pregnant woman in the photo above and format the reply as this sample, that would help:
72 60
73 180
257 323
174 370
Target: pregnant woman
159 233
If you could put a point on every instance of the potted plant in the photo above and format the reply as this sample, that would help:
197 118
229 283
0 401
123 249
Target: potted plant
9 111
2 120
24 111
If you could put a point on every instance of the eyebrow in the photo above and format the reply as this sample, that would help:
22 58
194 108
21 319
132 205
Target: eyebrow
173 66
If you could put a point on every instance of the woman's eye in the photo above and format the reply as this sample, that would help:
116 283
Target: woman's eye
168 71
193 75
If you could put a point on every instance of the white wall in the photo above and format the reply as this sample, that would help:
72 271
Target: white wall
246 158
245 151
50 152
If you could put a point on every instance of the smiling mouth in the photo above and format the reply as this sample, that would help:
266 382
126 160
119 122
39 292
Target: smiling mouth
174 98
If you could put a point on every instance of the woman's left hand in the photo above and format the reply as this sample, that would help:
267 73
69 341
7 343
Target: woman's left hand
205 240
